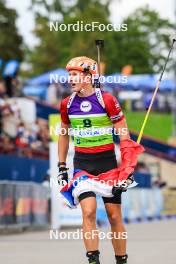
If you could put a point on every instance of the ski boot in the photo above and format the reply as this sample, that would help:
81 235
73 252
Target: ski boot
93 257
121 259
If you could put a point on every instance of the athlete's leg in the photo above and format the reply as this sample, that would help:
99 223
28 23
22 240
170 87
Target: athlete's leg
88 206
118 231
91 163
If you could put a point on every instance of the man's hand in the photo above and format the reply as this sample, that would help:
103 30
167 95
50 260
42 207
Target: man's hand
62 176
122 187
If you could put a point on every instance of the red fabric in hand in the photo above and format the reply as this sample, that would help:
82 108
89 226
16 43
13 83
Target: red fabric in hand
129 152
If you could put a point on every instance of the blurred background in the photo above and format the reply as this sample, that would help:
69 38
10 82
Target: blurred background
29 103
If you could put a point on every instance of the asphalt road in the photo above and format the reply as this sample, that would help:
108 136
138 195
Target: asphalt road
148 243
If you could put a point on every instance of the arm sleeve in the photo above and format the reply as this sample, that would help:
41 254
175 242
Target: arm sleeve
63 111
113 108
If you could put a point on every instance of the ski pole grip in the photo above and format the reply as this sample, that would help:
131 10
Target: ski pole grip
99 42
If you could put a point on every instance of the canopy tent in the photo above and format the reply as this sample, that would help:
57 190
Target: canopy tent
44 79
134 82
168 84
37 92
37 86
140 82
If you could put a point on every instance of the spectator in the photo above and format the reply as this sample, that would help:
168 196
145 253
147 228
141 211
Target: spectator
2 90
29 140
7 144
3 105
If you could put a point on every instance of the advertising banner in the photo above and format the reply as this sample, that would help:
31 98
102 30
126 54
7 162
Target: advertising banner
169 202
61 215
23 204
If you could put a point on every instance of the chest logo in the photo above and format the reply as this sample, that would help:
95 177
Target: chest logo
86 106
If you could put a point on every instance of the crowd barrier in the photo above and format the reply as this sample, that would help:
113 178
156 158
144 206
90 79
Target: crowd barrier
23 204
138 204
22 168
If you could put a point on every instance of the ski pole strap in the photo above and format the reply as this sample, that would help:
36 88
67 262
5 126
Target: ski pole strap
71 100
99 97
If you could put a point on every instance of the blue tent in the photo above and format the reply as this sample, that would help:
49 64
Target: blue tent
37 86
37 92
134 82
168 85
141 82
44 79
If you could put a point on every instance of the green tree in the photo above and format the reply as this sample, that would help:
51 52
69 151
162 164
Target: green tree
143 45
56 48
11 43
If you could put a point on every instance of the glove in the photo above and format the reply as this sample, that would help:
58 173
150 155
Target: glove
122 187
62 176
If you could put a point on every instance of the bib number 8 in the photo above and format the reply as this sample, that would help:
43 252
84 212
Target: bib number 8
87 123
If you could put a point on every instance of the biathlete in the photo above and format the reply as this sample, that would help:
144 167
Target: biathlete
88 108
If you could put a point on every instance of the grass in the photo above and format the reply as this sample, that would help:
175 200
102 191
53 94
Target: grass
158 125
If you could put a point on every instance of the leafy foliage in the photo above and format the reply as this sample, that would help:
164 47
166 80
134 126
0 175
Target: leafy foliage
10 40
143 45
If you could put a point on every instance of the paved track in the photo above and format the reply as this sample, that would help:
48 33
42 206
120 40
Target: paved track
148 243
